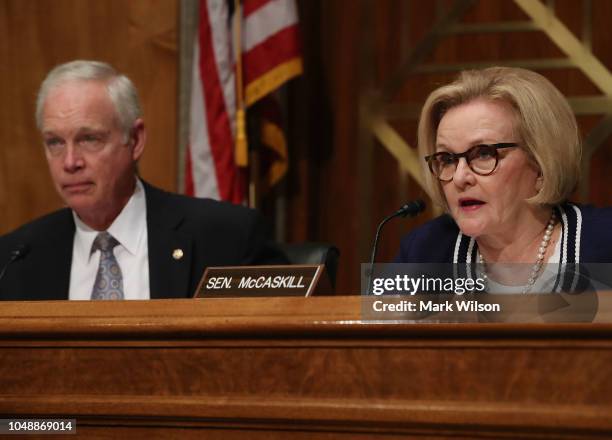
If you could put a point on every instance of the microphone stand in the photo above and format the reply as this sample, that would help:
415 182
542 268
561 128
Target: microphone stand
411 209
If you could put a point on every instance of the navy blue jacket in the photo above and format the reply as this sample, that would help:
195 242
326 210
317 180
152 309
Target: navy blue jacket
586 238
586 241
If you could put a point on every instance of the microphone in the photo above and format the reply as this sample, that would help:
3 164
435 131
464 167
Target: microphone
411 209
19 252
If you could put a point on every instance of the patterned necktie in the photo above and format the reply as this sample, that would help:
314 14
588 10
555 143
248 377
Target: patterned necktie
109 280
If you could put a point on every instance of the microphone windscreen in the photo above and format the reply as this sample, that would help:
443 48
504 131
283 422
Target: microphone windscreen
412 208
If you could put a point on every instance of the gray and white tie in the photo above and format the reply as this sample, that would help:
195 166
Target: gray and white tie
109 280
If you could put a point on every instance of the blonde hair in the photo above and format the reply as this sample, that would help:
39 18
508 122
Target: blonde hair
544 121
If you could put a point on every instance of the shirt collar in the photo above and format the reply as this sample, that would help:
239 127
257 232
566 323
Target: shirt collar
128 228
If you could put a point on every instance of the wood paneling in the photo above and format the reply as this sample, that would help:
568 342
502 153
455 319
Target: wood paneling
304 367
137 37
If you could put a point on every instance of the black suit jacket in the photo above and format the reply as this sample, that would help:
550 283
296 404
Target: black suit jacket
209 233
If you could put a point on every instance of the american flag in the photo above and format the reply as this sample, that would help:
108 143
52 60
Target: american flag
271 55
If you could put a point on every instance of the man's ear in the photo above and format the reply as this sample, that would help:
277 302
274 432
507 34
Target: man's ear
138 138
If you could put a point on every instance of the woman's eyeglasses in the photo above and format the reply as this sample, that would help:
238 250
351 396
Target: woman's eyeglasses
482 159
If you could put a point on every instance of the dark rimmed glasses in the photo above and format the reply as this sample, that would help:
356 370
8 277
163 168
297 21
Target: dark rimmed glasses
482 159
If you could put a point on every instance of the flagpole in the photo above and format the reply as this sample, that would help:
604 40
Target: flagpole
241 150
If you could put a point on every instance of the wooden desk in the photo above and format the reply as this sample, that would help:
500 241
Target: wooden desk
277 368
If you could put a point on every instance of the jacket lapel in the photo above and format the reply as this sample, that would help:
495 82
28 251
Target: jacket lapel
170 250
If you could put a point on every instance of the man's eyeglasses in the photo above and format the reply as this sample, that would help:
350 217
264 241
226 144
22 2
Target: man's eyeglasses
482 159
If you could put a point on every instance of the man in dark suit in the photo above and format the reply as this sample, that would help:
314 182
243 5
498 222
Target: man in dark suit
119 238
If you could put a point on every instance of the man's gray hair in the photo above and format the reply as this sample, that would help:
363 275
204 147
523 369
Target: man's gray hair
121 90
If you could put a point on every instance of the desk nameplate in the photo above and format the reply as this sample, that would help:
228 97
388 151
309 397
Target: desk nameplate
240 281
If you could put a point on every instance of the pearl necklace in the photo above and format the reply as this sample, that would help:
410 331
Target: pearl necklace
537 266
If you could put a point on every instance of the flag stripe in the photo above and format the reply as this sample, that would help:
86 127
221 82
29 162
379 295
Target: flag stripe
219 125
266 22
276 50
201 166
279 57
224 56
251 6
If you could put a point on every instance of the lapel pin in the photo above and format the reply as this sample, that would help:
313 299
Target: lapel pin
177 254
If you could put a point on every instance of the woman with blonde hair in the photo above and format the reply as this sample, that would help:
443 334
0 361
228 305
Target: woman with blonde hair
502 155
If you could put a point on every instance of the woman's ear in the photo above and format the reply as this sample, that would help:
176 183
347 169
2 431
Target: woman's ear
539 182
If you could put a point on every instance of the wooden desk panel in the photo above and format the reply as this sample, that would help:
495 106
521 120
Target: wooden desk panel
299 368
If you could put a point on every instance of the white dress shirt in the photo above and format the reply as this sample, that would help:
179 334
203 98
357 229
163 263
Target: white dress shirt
132 252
